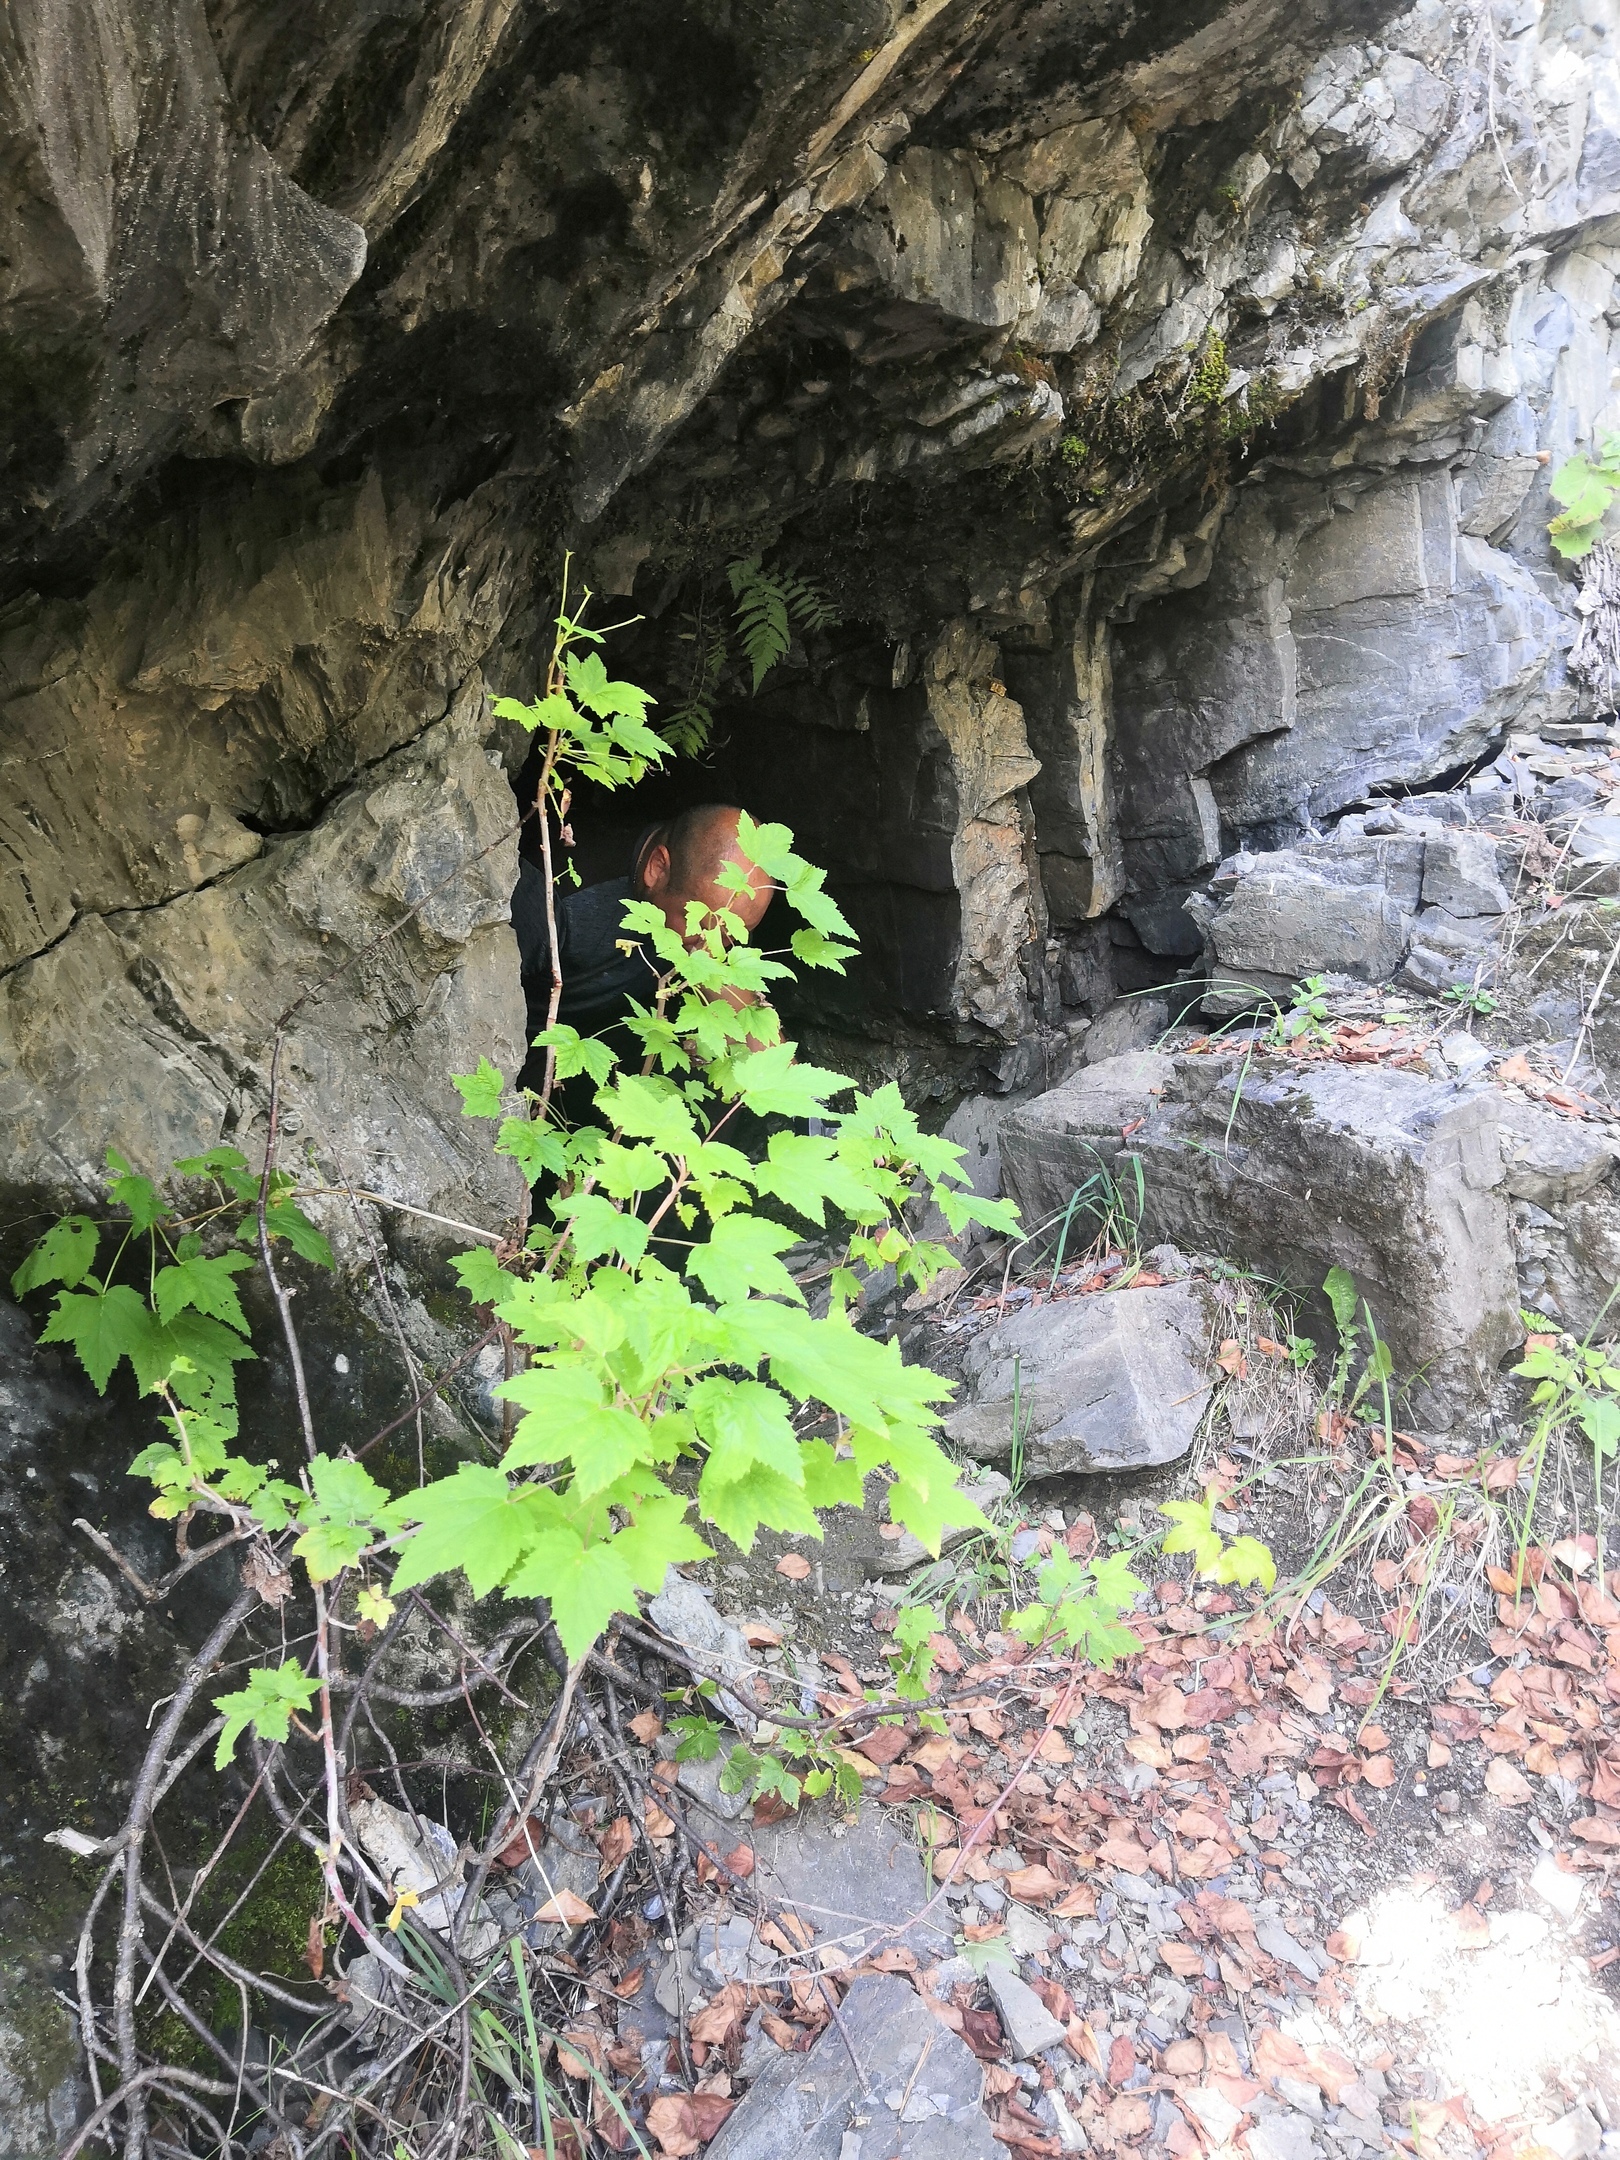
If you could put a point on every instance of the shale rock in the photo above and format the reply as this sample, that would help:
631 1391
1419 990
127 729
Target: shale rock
1107 1383
911 2089
1422 904
1392 1176
1071 1139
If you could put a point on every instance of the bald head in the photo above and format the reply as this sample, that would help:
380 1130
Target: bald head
683 861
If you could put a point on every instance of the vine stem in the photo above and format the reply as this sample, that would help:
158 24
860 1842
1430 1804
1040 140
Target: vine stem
283 1300
133 2081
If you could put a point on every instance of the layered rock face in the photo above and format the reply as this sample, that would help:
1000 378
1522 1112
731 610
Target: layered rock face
1164 397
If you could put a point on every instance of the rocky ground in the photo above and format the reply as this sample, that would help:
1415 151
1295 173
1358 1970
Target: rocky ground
1325 1871
1325 1874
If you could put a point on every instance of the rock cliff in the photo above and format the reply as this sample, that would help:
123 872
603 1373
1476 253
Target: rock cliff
1163 396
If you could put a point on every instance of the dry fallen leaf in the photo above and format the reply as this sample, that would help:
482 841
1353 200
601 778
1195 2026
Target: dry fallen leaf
1231 1360
1379 1771
616 1841
1032 1885
646 1725
565 1909
658 1824
1509 1785
681 2122
795 1567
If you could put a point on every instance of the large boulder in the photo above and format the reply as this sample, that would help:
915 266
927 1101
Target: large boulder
1397 1178
1108 1383
1074 1138
1382 898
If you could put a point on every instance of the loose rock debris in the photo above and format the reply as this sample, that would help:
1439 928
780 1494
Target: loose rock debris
1176 1908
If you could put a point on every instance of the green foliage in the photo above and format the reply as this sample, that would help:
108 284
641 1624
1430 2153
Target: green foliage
267 1703
913 1655
1242 1560
1080 1606
766 607
1470 1000
1306 1017
179 1323
1339 1287
1207 384
1074 450
1575 1383
1586 489
663 1381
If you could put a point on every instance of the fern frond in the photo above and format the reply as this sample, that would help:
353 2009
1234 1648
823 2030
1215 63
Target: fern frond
762 616
808 604
690 728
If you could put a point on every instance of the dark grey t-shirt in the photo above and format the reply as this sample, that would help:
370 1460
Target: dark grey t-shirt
599 980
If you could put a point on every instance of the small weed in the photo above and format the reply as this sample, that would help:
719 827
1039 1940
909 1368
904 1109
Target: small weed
1469 1000
1306 1018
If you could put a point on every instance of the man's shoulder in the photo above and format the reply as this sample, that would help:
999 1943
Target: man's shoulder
590 921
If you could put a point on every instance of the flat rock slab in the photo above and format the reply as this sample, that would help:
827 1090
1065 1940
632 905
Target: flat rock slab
1108 1383
1062 1142
916 2092
1296 1169
859 1885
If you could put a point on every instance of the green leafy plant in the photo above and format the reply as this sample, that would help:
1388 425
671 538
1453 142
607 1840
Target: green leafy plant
767 605
1217 1559
1586 488
1339 1288
1306 1018
1207 384
1469 1000
1074 450
1080 1603
662 1334
166 1301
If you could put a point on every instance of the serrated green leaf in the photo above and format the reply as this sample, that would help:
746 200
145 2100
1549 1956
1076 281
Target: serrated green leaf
740 1256
745 1424
699 1738
572 1417
658 1539
210 1352
763 1498
807 1171
65 1254
219 1161
585 1584
285 1220
480 1091
576 1053
203 1285
340 1518
267 1704
1246 1560
483 1278
102 1327
830 1480
961 1208
130 1190
473 1521
599 1228
622 1172
534 1146
929 1513
588 680
772 1084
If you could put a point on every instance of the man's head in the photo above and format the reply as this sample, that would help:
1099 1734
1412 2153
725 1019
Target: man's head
682 861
